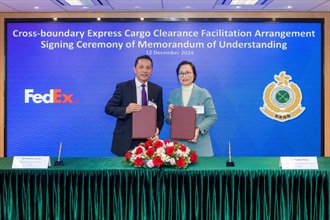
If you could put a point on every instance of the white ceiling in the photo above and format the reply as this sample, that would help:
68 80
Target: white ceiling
162 5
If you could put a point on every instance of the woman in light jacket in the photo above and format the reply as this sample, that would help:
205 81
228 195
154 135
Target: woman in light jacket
189 94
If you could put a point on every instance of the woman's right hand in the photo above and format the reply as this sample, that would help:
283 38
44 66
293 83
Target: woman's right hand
170 108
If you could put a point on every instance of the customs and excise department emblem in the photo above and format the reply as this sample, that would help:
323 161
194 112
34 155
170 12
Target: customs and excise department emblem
282 100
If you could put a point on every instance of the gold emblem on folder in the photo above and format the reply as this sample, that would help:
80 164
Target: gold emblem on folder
282 100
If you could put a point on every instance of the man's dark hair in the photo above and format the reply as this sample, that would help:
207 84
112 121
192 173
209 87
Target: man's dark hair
143 57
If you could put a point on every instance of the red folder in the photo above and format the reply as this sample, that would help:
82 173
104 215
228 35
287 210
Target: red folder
183 123
144 123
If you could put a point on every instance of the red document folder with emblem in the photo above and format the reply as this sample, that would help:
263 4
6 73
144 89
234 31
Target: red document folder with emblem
183 123
144 123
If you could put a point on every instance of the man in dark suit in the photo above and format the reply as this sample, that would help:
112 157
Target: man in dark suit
127 99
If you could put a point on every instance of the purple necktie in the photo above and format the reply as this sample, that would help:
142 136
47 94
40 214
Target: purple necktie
144 95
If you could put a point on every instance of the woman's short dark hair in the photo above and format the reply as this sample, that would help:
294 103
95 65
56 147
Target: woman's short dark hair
143 57
187 63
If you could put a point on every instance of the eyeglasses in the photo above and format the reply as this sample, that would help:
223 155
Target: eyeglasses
187 73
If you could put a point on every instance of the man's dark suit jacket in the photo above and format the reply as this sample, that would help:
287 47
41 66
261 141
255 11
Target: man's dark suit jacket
125 94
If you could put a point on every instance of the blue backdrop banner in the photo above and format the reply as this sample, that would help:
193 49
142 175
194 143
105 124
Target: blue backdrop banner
265 79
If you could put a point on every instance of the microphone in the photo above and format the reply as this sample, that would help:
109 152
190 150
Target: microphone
229 163
59 162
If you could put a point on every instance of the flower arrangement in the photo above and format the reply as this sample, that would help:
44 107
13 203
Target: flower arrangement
156 153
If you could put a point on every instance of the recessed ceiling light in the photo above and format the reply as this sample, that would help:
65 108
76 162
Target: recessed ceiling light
187 7
250 2
243 2
55 19
80 2
99 19
136 7
36 7
290 7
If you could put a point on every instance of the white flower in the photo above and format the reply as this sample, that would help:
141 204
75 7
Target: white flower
163 157
172 161
170 144
160 151
185 154
179 153
167 158
150 164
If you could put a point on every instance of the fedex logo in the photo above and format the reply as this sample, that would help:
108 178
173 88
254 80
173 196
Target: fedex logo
54 96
